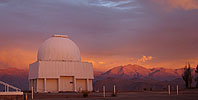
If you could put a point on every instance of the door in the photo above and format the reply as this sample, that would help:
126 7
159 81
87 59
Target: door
66 83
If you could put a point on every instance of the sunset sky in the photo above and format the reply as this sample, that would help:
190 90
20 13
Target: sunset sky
109 33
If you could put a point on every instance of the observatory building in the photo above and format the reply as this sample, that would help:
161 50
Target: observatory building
59 67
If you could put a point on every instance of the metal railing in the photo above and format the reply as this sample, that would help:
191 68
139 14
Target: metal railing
7 86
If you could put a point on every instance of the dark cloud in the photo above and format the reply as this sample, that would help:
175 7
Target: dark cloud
131 28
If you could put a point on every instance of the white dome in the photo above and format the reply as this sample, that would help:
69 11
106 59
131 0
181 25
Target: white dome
59 48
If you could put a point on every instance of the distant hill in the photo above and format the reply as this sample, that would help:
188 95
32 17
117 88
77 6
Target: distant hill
128 71
15 77
135 77
136 71
166 74
126 78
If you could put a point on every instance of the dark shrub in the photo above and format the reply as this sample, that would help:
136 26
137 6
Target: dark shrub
114 95
85 94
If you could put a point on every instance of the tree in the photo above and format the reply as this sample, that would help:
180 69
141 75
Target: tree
196 79
187 76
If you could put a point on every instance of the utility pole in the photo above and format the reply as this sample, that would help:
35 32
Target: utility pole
103 91
114 90
177 89
32 92
169 91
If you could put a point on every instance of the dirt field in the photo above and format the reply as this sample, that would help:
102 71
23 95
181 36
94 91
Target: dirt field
145 95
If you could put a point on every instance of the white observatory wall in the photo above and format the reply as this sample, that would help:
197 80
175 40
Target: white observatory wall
90 85
33 70
55 69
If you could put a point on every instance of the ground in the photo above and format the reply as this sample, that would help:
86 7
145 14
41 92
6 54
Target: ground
140 95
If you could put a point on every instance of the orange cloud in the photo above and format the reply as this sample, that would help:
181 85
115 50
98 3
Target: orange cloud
144 59
14 57
103 63
176 63
21 58
184 4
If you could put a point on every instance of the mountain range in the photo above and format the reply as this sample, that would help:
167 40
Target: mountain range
126 78
136 71
136 77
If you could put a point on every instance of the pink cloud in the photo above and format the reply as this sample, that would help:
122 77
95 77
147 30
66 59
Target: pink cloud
178 4
14 57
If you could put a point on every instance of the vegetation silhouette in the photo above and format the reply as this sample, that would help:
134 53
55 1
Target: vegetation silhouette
196 78
187 76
